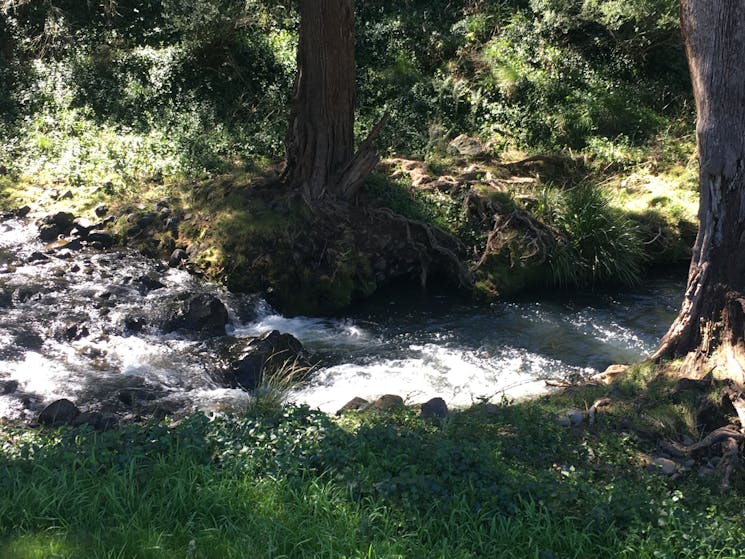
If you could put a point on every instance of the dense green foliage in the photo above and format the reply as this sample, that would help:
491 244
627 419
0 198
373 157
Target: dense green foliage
542 73
128 90
507 483
142 89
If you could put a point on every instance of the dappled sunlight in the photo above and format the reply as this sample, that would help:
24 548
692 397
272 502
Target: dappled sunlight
41 545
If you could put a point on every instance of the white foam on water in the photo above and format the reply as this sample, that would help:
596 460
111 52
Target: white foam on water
15 233
418 356
44 377
461 377
314 331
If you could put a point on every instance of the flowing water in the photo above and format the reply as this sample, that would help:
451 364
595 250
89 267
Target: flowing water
66 330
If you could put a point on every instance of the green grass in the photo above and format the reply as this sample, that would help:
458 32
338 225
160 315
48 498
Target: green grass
500 482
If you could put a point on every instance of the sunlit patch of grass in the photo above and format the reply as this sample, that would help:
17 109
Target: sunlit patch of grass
673 194
639 377
42 545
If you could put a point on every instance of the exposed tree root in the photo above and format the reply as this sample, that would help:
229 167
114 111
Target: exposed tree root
729 440
711 439
538 239
433 246
730 460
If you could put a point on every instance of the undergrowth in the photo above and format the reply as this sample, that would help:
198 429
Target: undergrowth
504 481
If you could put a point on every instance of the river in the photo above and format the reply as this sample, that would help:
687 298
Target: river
64 332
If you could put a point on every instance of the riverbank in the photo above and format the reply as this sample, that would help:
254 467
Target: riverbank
118 333
495 226
589 470
505 480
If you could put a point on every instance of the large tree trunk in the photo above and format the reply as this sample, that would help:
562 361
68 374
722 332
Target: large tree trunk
710 329
320 139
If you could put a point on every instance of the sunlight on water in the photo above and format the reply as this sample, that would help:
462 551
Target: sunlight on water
312 330
46 378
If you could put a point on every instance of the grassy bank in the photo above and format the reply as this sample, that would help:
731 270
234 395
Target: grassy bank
499 481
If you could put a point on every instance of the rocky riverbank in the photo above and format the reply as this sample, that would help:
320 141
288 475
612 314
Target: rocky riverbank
66 294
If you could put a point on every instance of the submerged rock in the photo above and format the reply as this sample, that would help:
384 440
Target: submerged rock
70 330
101 239
150 281
135 395
37 256
99 421
8 386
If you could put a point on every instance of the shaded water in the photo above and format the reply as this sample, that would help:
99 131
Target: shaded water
66 331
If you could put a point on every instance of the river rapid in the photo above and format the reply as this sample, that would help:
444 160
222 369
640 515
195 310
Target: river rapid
67 331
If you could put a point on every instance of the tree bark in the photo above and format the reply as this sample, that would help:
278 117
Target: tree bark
320 139
710 329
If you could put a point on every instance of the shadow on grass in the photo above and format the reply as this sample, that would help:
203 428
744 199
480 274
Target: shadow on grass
505 480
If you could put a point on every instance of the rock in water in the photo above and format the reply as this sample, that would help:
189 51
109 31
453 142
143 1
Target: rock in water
387 402
178 256
59 412
52 226
100 238
355 404
436 408
268 354
200 315
8 386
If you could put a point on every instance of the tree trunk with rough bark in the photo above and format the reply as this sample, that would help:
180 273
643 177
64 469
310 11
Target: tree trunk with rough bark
320 140
710 329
